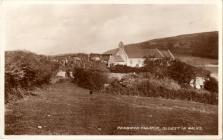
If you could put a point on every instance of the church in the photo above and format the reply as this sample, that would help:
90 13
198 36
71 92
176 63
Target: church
134 56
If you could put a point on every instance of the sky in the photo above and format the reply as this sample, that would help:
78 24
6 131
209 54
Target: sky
71 28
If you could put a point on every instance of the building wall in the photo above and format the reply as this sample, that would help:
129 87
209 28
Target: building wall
131 62
135 62
112 61
120 63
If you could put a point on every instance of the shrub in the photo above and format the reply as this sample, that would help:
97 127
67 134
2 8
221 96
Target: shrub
166 88
181 72
158 67
166 83
92 80
211 85
174 69
125 69
26 70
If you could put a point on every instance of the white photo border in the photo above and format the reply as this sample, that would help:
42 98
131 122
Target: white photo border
4 4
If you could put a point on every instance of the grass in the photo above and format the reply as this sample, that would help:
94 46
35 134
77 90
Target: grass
65 109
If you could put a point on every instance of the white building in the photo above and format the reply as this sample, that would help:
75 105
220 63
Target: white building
198 82
134 56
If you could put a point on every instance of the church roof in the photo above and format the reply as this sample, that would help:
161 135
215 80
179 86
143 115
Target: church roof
135 52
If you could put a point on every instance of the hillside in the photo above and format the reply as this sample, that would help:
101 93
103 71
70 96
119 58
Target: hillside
198 44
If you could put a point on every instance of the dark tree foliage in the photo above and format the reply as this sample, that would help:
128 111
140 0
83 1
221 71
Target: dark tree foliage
90 79
125 69
211 85
181 72
148 89
174 69
158 67
25 70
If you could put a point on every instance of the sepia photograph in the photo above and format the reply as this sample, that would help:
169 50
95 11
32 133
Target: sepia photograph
111 69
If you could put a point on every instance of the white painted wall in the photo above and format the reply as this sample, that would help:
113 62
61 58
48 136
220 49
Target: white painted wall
131 62
135 62
197 83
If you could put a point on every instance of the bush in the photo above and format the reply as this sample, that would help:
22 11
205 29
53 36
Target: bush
125 69
181 72
211 85
92 80
168 89
26 70
176 70
157 67
165 83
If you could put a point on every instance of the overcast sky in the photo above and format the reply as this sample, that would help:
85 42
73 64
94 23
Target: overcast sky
70 28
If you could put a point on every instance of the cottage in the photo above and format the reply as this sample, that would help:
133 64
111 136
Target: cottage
197 82
134 56
200 77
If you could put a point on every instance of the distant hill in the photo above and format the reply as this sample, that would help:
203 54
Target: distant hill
197 44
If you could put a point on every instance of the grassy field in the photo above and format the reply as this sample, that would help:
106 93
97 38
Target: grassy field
65 109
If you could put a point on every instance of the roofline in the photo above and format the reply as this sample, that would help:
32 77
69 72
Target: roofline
125 51
160 52
171 54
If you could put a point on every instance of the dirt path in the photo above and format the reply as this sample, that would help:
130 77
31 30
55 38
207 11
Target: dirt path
67 109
